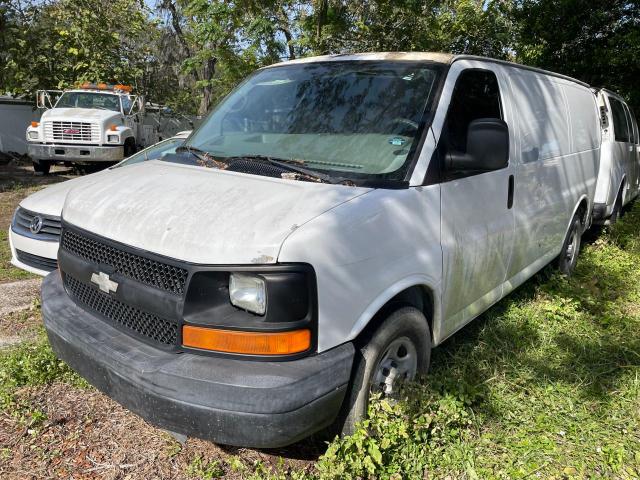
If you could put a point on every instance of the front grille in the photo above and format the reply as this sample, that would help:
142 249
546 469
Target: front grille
150 272
36 261
143 323
50 230
71 132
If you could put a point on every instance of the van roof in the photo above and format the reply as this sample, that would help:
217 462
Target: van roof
437 57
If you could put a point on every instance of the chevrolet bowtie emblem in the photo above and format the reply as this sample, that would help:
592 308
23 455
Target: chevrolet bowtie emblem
104 283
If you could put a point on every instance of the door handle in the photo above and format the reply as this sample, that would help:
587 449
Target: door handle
510 194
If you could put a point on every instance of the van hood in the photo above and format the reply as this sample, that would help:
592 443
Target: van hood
79 115
198 214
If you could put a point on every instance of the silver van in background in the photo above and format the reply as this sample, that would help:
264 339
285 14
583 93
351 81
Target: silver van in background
619 174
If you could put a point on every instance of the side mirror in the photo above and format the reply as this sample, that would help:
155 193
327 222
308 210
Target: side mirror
487 147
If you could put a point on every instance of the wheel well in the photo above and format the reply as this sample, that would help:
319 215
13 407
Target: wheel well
620 194
582 211
418 296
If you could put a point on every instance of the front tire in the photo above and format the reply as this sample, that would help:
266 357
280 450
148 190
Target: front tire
41 167
568 257
398 350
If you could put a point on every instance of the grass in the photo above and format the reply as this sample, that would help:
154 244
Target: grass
545 385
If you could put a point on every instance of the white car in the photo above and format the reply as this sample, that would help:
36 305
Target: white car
34 233
330 222
619 175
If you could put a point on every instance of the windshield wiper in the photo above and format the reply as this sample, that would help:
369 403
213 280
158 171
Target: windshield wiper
293 166
200 154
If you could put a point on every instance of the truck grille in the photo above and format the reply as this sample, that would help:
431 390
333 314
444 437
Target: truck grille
142 323
50 229
151 272
71 132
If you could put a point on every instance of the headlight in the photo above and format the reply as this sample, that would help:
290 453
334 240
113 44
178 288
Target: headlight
113 138
33 135
248 292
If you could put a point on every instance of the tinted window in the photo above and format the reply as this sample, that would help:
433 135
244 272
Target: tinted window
635 127
633 136
476 95
619 120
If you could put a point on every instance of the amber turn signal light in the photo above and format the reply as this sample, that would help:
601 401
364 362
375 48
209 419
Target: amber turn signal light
35 124
113 128
248 343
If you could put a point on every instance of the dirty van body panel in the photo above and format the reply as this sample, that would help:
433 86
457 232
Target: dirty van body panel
557 160
354 279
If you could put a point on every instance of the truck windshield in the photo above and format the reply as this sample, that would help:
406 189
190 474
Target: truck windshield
353 119
102 101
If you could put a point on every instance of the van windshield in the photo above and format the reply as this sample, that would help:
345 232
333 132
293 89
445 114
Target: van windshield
350 119
102 101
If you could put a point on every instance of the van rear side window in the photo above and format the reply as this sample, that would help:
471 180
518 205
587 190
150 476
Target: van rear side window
620 128
633 131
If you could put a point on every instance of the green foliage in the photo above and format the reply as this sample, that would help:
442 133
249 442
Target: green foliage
29 364
202 469
55 45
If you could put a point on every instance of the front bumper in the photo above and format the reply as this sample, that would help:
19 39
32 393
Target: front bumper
31 255
75 153
228 401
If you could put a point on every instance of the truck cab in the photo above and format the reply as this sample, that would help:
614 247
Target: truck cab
92 124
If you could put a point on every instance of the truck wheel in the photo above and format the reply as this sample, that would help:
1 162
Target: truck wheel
129 147
568 257
397 351
41 166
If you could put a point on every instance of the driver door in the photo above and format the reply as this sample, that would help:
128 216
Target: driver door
477 217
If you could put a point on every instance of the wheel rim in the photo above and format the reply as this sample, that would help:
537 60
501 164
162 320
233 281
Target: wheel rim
572 248
398 364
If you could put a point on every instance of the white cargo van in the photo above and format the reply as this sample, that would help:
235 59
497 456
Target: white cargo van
328 224
619 174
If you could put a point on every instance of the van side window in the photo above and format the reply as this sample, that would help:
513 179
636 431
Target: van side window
635 127
633 133
619 120
476 95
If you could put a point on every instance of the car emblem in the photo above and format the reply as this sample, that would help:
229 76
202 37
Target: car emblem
105 284
71 131
36 224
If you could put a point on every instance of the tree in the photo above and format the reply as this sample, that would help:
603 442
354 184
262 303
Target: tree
597 41
56 44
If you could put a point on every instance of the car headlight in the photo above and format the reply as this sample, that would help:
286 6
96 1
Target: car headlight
113 138
248 292
33 135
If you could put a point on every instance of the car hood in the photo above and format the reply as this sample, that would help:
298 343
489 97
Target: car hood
49 200
78 114
197 214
